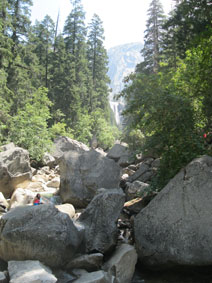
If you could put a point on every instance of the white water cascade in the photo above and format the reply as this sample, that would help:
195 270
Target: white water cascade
115 107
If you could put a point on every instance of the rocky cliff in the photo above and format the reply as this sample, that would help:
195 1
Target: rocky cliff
122 62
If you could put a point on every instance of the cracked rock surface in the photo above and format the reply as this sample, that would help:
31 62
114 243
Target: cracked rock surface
175 228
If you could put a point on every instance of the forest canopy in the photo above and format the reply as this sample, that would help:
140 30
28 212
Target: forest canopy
52 83
56 83
169 96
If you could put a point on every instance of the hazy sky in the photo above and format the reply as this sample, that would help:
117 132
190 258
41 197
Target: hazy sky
124 21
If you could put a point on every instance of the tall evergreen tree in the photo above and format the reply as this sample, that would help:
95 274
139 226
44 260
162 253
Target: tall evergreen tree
153 36
5 41
42 37
98 60
62 80
190 20
75 39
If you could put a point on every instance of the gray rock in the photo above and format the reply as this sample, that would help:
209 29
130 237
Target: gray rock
3 201
138 174
64 144
100 219
135 189
117 151
83 173
3 277
91 262
122 263
38 233
66 208
54 183
94 277
15 170
49 160
8 146
30 271
121 154
21 197
156 163
175 228
64 277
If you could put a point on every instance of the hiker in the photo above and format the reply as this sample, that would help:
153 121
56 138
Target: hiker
37 200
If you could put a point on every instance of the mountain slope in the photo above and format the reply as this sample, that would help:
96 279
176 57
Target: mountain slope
122 61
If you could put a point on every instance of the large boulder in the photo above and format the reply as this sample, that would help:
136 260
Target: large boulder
90 262
100 220
64 144
3 201
95 277
21 197
121 154
30 271
67 208
15 170
135 189
122 263
48 160
82 173
175 228
38 233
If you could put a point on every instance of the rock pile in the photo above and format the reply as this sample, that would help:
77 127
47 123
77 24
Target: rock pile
96 207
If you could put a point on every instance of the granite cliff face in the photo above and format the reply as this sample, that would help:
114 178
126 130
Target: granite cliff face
122 62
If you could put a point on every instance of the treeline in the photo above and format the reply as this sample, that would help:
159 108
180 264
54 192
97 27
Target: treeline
169 96
52 83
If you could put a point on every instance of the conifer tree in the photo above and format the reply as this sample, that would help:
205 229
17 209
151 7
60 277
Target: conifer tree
42 38
75 40
98 61
153 36
61 83
5 41
189 20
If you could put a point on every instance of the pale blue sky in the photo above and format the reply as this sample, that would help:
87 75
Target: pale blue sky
124 21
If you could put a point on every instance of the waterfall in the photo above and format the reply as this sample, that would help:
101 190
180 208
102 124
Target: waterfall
115 107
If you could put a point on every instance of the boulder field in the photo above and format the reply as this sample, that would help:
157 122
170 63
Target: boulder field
98 220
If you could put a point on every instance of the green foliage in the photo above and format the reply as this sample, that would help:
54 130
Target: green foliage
83 128
5 103
153 37
134 138
72 65
168 111
105 134
60 129
29 129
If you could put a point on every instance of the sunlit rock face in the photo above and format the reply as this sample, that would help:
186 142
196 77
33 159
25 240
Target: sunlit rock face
175 227
122 62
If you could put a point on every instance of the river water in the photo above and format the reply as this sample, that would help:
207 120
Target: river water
194 275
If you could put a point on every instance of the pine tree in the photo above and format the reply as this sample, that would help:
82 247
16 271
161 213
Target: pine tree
75 40
62 80
189 21
98 61
153 37
42 37
5 41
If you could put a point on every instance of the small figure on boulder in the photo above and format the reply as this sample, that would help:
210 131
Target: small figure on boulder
37 200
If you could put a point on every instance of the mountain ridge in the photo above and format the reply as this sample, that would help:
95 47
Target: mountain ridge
122 61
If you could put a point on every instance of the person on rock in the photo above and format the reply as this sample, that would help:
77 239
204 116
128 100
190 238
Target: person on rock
37 200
